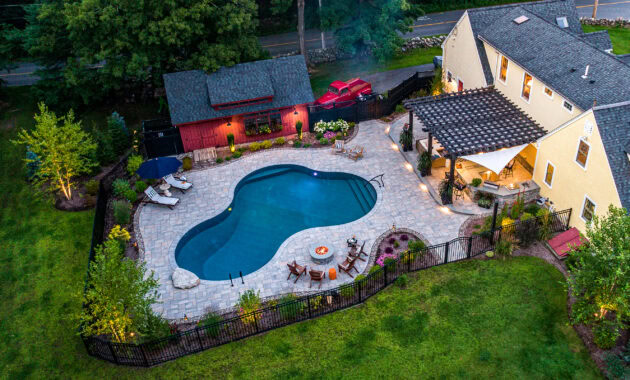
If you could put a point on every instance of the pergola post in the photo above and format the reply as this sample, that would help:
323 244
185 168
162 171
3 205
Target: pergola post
451 177
430 150
411 121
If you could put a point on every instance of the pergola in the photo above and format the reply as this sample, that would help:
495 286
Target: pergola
473 121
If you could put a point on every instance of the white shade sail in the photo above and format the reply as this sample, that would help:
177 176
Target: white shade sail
496 160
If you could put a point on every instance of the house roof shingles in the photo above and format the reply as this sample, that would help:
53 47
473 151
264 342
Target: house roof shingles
559 59
474 121
613 123
599 39
191 94
549 10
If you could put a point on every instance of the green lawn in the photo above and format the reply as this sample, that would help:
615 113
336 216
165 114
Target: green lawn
325 73
477 319
620 37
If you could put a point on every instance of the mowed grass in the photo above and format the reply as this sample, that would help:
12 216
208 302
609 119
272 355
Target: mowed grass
477 319
343 70
620 37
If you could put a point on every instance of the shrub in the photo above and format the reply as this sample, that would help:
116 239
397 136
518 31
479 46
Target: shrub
404 237
212 323
118 133
133 164
396 244
347 291
119 234
400 108
504 248
91 187
289 307
545 224
476 182
105 153
230 141
526 216
307 146
389 250
531 208
416 246
219 160
392 240
615 367
228 158
316 302
408 256
515 211
389 261
253 147
376 271
122 212
359 278
154 327
141 186
490 254
266 144
605 335
297 144
248 302
131 195
424 163
120 187
323 141
187 163
237 155
446 192
280 141
402 281
527 230
319 135
298 129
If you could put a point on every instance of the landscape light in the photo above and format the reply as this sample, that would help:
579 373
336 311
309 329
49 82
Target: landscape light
409 167
394 146
315 174
423 187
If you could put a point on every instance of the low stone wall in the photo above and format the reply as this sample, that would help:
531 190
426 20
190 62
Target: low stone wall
316 56
606 22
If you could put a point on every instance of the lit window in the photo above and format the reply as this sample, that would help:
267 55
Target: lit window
549 174
504 69
527 86
582 153
567 106
548 92
588 209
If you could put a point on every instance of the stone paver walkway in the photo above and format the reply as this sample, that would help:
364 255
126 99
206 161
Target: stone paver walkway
401 202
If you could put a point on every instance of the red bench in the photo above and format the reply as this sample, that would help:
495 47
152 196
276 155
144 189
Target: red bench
564 242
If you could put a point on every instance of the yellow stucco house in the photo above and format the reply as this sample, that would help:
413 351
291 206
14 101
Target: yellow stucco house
565 81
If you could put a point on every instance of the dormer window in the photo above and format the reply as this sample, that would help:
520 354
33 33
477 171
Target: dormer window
562 22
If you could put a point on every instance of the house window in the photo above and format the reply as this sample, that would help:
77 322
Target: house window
261 123
504 69
582 153
527 86
549 173
588 209
568 106
548 91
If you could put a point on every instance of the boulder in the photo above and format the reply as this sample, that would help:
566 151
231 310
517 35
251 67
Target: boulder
183 279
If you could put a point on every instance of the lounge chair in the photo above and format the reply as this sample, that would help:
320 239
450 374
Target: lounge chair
177 183
316 275
356 154
357 253
348 265
158 199
339 147
296 269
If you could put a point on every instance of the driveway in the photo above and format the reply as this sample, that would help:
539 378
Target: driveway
401 202
386 80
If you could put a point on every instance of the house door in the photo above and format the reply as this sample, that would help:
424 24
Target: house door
460 85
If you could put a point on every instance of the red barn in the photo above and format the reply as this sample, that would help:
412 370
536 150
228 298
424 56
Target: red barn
254 101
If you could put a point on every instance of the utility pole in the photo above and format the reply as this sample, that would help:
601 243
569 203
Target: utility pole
320 25
300 7
595 9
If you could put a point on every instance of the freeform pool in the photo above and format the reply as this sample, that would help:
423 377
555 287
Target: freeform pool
270 205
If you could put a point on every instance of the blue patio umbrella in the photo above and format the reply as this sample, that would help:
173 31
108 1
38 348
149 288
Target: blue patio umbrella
158 167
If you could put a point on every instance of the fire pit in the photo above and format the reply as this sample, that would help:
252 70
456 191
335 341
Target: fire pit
321 254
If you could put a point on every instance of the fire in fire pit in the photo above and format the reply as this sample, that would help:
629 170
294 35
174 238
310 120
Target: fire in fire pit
322 250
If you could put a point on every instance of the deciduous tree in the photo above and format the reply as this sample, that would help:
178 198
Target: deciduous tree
61 147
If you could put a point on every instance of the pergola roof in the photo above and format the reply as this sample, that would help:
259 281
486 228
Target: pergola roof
474 121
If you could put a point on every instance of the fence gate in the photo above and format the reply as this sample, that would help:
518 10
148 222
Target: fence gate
161 138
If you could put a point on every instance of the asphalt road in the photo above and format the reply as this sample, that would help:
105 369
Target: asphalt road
431 24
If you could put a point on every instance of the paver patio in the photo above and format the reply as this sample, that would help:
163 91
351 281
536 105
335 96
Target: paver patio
401 202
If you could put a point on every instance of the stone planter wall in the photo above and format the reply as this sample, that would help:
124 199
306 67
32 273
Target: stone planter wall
606 22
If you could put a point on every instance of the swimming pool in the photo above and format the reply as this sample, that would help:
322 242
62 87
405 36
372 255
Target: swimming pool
270 205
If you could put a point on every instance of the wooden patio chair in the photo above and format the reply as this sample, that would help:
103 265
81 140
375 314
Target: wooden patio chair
356 154
357 253
339 147
348 265
297 270
508 170
316 275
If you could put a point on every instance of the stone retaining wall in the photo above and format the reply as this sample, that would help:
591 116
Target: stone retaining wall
606 22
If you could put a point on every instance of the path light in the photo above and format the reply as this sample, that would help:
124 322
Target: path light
387 129
409 167
445 209
229 208
185 318
394 146
423 187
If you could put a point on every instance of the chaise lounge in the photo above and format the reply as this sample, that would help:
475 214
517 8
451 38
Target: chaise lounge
177 183
158 199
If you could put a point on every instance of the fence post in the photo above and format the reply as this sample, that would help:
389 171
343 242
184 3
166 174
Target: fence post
199 338
255 321
446 247
111 348
409 256
385 266
494 221
144 355
568 219
359 286
308 301
468 252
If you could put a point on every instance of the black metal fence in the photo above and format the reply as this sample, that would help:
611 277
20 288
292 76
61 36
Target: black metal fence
311 306
373 106
161 138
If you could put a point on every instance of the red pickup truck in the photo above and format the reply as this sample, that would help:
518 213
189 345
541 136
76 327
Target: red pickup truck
342 92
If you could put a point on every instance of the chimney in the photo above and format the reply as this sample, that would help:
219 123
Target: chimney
586 72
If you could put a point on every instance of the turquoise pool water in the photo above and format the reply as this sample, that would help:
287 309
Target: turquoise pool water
270 205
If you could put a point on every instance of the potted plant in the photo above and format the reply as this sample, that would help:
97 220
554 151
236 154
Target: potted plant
298 129
406 138
424 163
230 139
446 192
